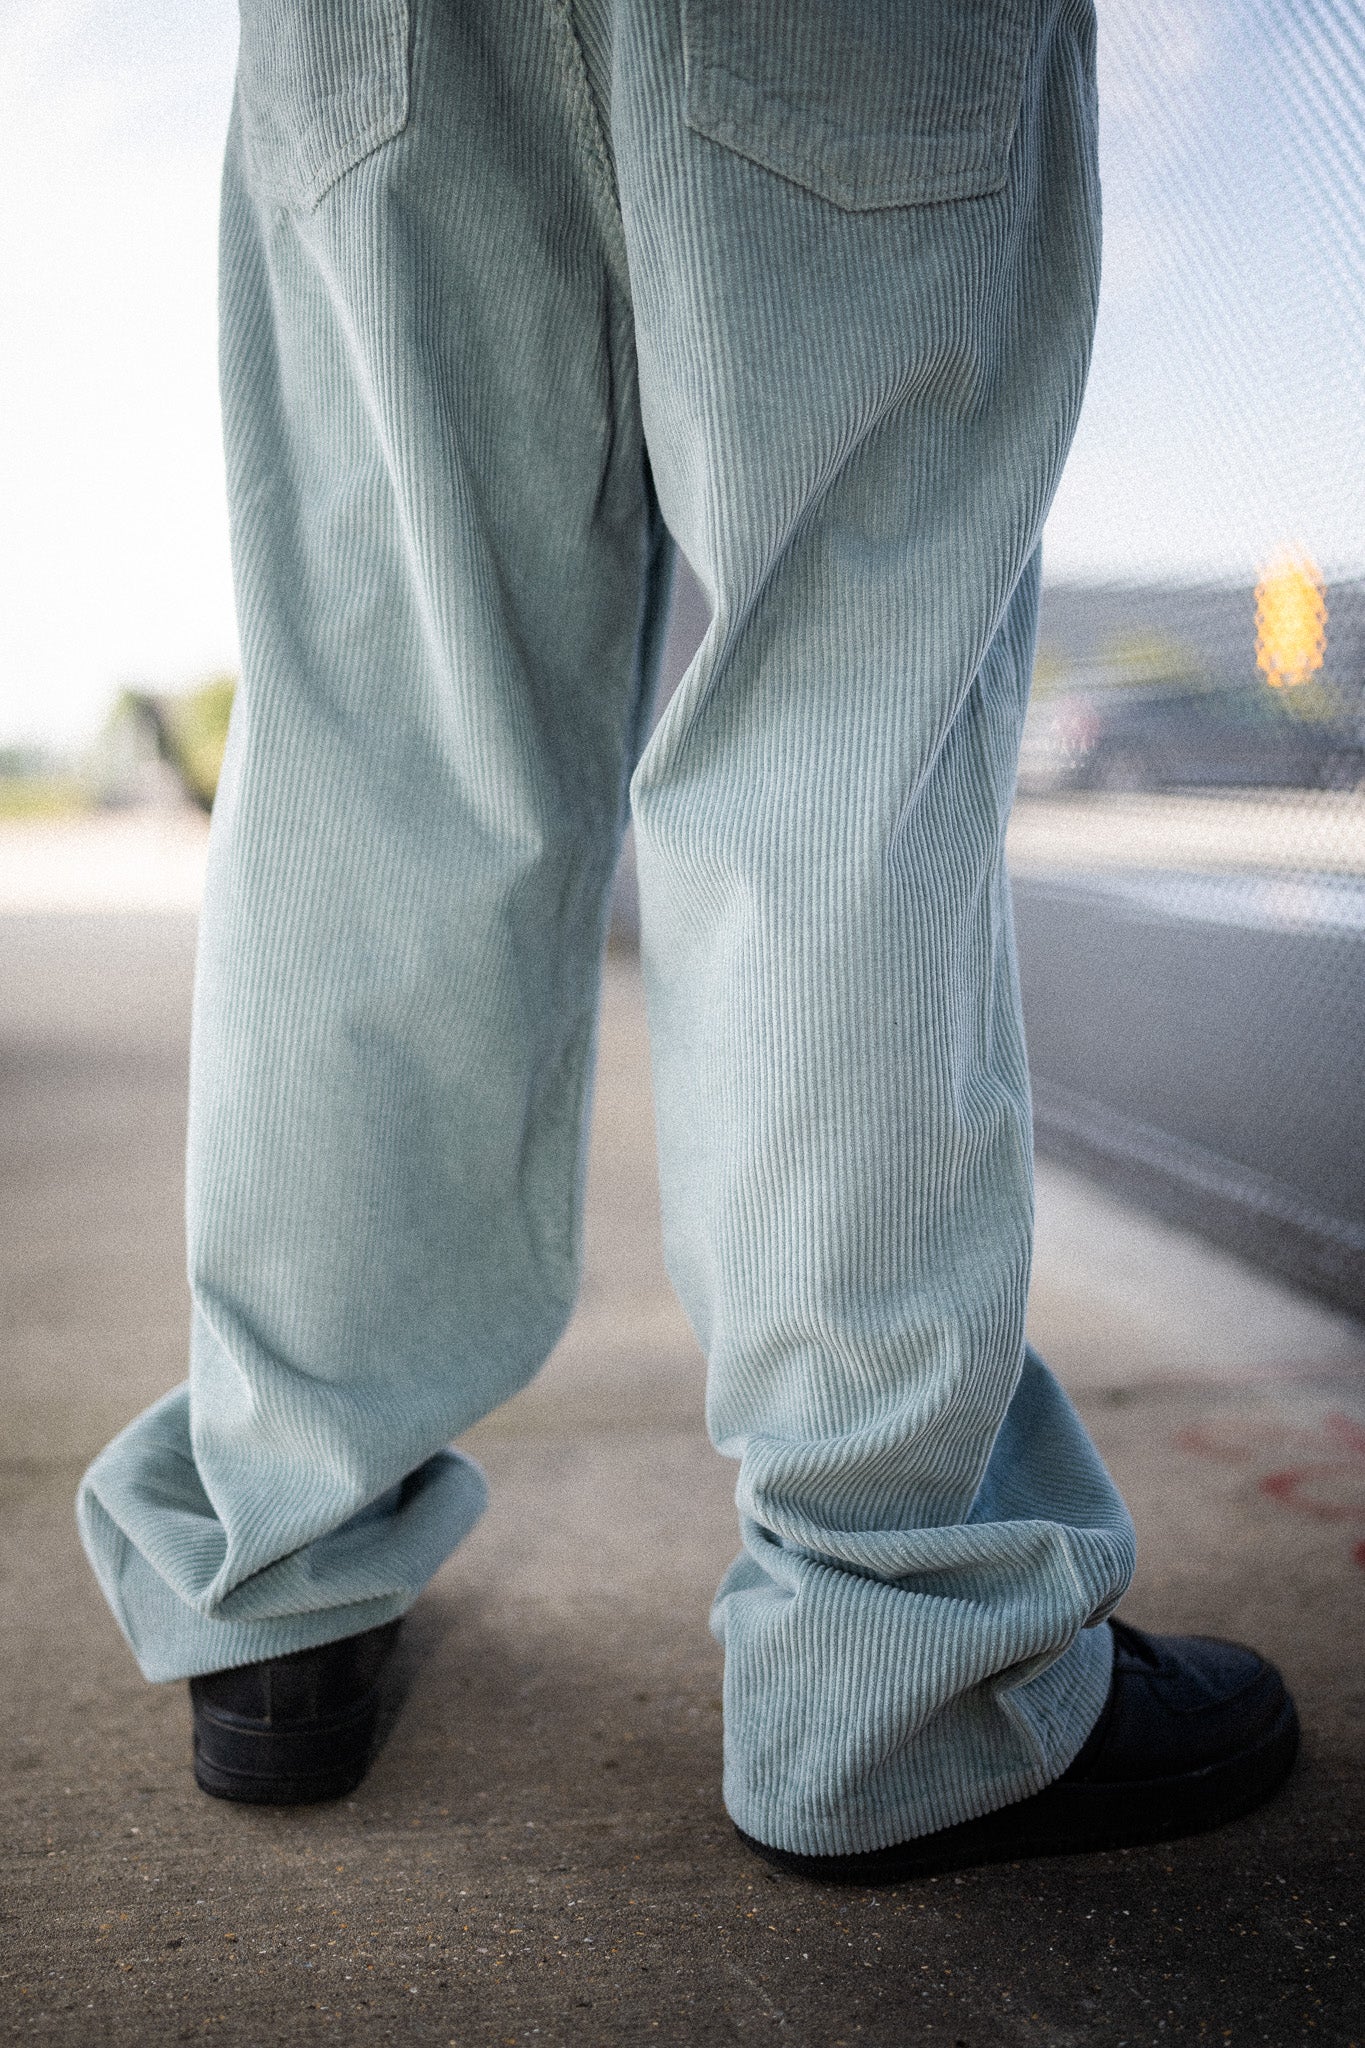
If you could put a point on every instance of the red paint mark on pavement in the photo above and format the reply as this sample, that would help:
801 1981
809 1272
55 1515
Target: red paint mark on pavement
1347 1432
1308 1489
1327 1481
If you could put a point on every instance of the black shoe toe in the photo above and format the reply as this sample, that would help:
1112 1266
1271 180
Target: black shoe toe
1178 1705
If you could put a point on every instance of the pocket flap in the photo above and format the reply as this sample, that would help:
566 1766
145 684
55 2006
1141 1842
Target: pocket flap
869 103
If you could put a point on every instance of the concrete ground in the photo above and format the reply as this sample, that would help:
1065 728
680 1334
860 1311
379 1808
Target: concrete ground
540 1854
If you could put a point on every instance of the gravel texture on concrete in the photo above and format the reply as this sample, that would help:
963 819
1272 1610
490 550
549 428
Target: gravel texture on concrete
540 1854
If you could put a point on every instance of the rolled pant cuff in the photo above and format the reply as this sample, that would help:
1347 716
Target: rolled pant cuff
986 1749
157 1549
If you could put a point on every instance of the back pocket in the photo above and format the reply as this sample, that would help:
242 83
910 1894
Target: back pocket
321 84
869 103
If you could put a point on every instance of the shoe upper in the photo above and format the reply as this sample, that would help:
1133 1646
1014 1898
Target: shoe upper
1178 1704
306 1688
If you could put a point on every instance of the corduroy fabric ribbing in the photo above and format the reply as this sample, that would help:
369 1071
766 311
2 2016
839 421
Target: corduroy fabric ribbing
603 269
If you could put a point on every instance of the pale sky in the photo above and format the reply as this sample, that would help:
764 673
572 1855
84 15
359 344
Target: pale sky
113 536
1223 418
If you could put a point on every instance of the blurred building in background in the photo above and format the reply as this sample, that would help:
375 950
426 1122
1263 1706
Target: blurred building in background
1170 686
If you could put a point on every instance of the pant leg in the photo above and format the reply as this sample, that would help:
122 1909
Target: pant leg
864 252
451 578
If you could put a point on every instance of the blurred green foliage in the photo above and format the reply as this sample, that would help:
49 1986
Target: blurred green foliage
144 733
27 792
194 730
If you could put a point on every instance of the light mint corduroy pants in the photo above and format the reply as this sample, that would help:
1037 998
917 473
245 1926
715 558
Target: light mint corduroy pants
511 294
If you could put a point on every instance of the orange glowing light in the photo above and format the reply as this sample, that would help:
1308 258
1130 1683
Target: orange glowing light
1291 620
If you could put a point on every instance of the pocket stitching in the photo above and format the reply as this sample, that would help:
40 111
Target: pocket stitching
978 135
286 184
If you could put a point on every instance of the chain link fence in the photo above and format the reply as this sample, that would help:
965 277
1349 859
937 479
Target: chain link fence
1189 841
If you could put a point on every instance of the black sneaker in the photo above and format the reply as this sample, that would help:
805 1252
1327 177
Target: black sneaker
292 1730
1195 1732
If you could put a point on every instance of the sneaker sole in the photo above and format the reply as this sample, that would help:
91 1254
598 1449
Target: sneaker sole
282 1767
